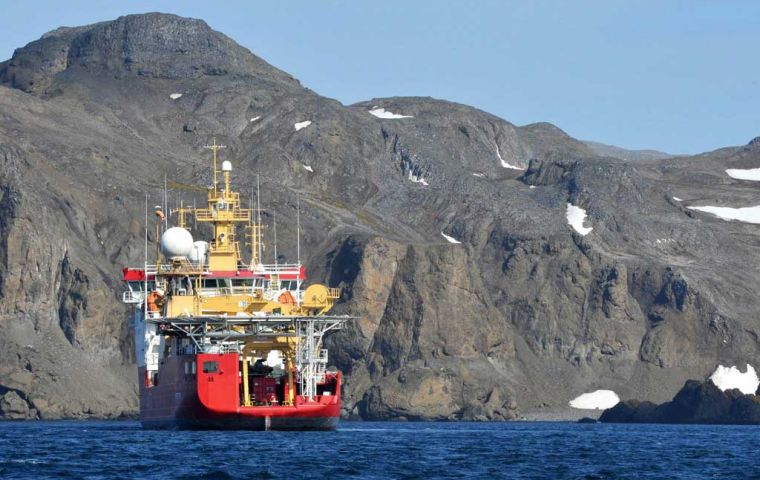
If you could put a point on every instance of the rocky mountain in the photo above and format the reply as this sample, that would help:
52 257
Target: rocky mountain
522 314
624 154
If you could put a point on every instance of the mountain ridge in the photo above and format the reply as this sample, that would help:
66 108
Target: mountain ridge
626 154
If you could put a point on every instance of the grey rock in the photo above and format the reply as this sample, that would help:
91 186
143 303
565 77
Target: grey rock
13 407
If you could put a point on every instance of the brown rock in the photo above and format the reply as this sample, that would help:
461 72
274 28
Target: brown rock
13 407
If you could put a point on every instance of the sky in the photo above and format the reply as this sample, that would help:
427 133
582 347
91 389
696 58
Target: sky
676 76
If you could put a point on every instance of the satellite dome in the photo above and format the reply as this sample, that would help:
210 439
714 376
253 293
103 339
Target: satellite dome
226 166
198 253
176 242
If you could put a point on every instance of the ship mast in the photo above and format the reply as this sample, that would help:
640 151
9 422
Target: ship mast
215 148
255 230
244 313
224 212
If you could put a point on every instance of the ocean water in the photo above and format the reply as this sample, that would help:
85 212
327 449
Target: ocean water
373 450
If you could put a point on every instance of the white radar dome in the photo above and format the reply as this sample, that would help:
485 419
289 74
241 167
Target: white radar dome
176 242
226 166
198 254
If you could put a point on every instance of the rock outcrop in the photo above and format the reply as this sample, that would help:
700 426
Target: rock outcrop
696 402
523 313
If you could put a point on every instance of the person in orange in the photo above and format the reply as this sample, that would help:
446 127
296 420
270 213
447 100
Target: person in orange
286 298
155 302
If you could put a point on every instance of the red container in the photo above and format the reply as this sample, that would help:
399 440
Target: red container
264 390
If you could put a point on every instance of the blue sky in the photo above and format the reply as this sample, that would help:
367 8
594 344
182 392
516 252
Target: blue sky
678 76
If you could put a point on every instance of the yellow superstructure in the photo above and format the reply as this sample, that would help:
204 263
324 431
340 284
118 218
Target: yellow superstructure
222 286
224 212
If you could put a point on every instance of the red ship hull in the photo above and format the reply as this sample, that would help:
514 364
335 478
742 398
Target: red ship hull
178 398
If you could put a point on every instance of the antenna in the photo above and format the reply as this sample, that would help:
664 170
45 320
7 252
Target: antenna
254 247
258 213
215 149
181 213
298 230
298 249
255 234
145 264
166 204
274 217
146 229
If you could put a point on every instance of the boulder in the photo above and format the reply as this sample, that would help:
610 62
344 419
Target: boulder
13 407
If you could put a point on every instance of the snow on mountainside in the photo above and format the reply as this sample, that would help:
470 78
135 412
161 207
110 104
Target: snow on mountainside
727 378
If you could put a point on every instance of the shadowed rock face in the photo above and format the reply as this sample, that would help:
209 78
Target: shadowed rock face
696 402
523 313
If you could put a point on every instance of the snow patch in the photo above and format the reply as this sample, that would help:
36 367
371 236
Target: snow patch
727 378
255 118
503 162
298 126
744 174
417 179
744 214
450 239
308 167
598 400
383 113
576 217
678 199
175 96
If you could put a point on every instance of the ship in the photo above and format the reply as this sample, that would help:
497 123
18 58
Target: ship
224 342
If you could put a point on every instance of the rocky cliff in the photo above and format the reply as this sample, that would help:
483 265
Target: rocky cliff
524 313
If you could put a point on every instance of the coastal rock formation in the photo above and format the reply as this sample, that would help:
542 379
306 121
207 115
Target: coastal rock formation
696 402
445 226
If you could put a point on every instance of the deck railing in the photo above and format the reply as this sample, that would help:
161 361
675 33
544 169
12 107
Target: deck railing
132 297
206 215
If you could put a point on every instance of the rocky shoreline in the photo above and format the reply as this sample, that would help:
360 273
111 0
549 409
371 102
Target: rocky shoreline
696 402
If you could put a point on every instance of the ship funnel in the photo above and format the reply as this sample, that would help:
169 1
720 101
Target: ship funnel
226 166
176 242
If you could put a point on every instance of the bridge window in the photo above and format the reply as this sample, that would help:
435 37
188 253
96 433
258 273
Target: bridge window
137 286
210 367
289 284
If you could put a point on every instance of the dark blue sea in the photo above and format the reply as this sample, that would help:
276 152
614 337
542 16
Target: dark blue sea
120 449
